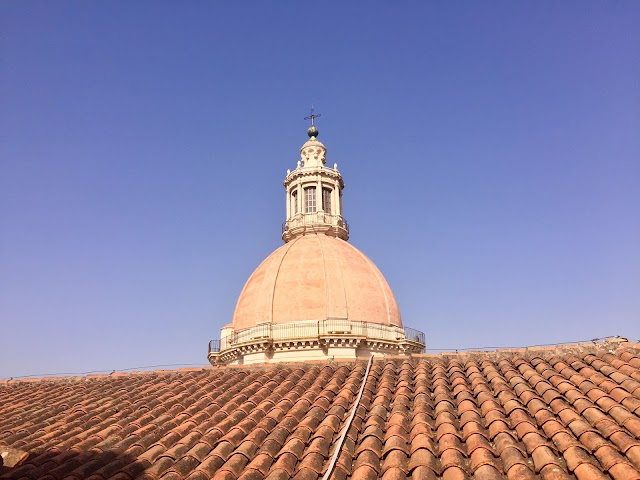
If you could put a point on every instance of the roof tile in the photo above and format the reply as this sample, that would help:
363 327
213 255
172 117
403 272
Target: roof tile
558 412
521 472
451 457
394 474
367 457
306 474
262 463
371 443
624 471
286 462
395 442
422 441
423 473
313 461
247 474
476 441
454 473
396 459
364 472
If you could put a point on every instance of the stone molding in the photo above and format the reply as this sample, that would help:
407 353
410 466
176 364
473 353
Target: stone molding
316 340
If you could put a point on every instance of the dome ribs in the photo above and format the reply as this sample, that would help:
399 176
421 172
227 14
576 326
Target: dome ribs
565 414
315 297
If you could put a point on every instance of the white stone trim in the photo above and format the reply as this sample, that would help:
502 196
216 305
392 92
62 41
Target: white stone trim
313 340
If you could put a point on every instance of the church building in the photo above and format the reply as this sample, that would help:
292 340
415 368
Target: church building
317 297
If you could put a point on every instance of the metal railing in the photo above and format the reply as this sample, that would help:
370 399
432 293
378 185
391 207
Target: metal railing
313 329
315 218
214 346
414 335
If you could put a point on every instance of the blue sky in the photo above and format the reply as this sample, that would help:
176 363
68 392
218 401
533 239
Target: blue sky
490 150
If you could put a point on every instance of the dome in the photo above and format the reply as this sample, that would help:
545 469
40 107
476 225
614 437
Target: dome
316 277
317 297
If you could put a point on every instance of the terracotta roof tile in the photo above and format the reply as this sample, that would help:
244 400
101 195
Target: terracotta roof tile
423 473
396 459
369 458
552 414
623 471
451 457
372 443
477 441
313 461
454 473
422 441
364 472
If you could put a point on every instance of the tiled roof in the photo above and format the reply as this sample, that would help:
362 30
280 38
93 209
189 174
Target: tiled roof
563 413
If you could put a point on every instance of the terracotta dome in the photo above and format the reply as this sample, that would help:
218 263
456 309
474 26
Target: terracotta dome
317 297
316 277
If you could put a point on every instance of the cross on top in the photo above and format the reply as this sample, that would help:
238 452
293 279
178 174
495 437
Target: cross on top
312 117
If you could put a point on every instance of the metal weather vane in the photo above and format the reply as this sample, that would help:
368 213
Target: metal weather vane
312 117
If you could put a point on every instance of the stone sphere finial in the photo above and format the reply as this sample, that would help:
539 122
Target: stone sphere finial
312 131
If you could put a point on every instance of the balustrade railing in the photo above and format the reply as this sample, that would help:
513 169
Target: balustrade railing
315 218
312 329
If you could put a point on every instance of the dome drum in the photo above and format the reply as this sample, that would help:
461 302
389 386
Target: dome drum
314 340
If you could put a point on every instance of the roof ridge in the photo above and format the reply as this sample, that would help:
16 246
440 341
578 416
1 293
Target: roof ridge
91 376
616 343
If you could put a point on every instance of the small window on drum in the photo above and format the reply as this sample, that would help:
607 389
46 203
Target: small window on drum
326 200
294 203
310 200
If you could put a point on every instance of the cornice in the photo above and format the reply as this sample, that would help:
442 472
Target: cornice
314 171
271 346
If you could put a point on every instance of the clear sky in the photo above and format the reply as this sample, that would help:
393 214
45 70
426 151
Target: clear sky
490 150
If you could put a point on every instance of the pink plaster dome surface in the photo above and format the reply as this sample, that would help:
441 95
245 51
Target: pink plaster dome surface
316 277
